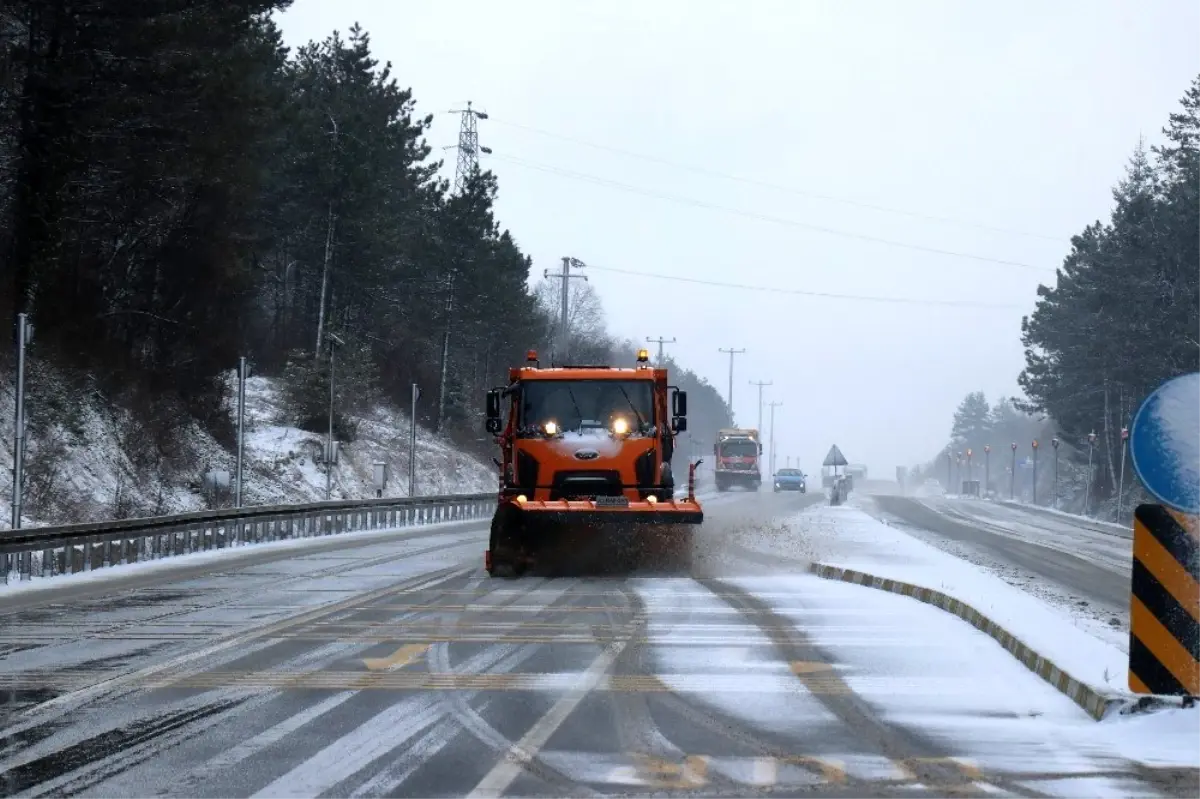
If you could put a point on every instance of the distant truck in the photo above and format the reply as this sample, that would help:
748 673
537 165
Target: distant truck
737 453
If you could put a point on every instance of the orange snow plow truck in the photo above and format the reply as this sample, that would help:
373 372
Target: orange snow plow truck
586 463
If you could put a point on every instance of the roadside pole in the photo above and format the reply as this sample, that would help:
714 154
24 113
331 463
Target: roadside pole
1087 486
1035 446
24 336
412 442
1054 443
1012 479
241 432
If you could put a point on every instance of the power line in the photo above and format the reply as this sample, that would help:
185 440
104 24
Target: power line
804 293
761 217
778 187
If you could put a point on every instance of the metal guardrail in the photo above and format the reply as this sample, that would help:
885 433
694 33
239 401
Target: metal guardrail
75 548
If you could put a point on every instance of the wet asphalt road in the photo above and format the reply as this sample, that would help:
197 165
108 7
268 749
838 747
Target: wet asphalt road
397 668
1101 581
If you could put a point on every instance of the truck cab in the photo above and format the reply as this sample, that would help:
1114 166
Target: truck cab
585 444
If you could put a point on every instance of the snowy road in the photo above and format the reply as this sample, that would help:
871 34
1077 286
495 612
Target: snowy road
396 667
1064 562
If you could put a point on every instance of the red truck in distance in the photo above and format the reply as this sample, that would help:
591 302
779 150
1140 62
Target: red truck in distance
738 452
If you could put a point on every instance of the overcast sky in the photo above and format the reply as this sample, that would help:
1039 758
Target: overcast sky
767 143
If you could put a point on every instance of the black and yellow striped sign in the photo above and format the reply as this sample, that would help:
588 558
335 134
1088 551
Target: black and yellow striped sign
1164 606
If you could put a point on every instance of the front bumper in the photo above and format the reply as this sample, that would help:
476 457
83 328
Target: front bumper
586 511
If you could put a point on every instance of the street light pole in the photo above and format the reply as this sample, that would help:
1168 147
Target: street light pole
1054 443
1087 486
987 468
1035 447
1012 479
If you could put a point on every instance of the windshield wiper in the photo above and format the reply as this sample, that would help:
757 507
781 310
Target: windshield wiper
578 412
641 421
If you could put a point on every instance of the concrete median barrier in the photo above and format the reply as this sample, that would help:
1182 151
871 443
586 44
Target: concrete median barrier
1094 702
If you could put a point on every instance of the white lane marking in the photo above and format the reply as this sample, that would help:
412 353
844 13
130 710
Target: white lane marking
386 731
502 775
272 735
386 782
350 753
765 771
253 696
142 675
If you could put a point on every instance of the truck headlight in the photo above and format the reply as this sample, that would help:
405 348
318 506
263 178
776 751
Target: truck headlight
551 428
620 426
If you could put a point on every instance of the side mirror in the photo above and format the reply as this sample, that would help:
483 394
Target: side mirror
679 405
760 449
679 424
493 404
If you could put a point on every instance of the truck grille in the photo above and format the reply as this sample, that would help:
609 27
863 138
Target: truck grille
586 484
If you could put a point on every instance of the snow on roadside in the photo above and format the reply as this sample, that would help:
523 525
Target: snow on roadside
1109 624
282 466
1067 516
1102 623
86 475
846 537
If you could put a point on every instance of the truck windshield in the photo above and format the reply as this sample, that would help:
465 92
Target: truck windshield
576 405
739 449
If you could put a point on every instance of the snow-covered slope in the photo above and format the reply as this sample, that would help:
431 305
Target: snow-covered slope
81 468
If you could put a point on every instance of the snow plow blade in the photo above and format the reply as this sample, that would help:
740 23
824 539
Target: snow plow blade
584 511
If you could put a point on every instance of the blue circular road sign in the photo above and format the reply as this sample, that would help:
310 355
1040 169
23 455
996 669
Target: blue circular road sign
1164 443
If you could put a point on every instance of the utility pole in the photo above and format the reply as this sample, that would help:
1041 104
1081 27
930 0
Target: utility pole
760 385
564 332
24 336
241 432
771 463
732 352
660 341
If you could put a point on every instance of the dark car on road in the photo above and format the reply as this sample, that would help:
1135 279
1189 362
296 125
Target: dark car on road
790 480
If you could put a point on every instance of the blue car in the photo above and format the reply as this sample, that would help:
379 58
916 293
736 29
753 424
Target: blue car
789 480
